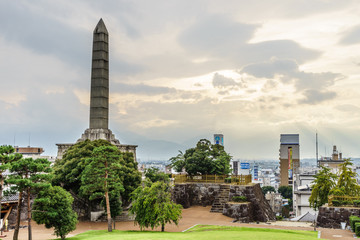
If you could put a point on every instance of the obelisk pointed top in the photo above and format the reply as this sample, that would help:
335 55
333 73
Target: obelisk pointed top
100 27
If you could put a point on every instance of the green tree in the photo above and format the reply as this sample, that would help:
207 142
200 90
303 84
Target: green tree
155 175
286 192
347 179
153 207
7 156
52 207
324 181
103 175
68 171
28 175
266 189
115 205
205 158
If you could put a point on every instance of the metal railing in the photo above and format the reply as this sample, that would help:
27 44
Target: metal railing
341 198
228 179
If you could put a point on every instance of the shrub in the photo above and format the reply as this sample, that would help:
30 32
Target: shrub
346 202
228 180
357 229
357 203
336 203
353 219
279 218
239 199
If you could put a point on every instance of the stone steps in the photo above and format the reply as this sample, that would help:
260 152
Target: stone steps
221 199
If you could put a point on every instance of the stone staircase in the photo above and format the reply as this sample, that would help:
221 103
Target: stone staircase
221 199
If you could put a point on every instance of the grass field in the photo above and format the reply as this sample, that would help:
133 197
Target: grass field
199 232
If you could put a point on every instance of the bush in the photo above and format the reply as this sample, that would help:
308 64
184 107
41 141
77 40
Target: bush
353 219
357 203
279 218
239 199
357 229
336 203
228 180
345 202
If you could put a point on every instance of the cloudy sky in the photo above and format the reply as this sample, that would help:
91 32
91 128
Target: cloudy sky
184 70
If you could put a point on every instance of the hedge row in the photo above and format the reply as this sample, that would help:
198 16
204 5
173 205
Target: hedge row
355 224
338 203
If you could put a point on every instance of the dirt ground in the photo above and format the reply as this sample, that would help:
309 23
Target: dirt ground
190 217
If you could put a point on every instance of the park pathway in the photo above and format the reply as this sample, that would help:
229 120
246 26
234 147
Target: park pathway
190 217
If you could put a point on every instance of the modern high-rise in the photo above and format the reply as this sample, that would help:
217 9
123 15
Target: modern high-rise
289 155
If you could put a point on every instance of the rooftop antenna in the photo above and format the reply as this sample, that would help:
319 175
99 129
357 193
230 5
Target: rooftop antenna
29 139
14 138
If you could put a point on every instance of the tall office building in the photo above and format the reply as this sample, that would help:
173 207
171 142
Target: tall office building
289 158
219 139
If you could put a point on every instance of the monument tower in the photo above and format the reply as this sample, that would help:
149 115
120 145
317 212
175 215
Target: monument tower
99 95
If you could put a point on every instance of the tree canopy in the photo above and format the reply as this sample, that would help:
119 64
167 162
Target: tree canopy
153 207
266 189
68 171
324 181
155 175
102 175
52 207
205 158
286 192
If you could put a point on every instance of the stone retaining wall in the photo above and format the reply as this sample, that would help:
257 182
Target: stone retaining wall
241 212
331 217
204 194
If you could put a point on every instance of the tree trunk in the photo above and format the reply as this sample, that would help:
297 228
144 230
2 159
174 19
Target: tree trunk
29 213
162 227
17 224
107 199
114 223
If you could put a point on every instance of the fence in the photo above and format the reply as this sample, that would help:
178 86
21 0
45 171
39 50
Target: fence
229 179
342 199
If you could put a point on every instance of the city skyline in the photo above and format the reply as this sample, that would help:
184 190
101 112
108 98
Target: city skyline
182 71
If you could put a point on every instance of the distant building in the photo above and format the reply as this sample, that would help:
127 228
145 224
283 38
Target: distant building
33 152
275 201
219 139
289 155
301 194
332 162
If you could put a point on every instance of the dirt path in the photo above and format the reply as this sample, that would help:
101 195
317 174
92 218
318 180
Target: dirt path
190 217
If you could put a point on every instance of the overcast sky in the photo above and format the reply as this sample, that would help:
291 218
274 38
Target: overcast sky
184 70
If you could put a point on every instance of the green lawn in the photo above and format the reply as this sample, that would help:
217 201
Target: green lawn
199 232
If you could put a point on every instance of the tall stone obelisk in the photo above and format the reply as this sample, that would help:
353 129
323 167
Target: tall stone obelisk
99 95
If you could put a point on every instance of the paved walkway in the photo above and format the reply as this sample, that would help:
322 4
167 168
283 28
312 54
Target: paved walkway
190 217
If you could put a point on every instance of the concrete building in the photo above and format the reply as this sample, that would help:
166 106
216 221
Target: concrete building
275 201
301 194
289 155
99 95
33 152
332 162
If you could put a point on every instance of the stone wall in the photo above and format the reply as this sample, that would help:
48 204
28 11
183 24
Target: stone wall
241 212
331 217
204 194
261 207
188 194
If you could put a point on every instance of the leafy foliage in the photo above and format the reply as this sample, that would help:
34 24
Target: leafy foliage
286 192
239 199
53 208
266 189
69 170
155 175
347 179
28 175
323 183
153 206
205 158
